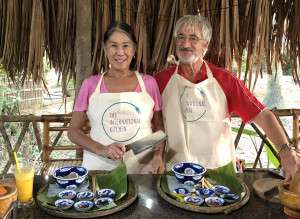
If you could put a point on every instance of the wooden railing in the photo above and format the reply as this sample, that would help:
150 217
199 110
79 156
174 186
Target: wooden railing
43 124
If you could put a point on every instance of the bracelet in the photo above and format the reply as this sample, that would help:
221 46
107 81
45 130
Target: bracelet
285 147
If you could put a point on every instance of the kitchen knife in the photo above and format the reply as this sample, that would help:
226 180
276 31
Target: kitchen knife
147 142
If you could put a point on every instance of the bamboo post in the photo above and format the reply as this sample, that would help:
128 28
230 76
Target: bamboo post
296 131
46 140
8 147
83 44
239 134
37 135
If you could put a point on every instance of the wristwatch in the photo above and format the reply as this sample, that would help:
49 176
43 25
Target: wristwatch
285 147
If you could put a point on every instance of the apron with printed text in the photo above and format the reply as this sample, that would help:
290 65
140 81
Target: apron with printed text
119 117
196 122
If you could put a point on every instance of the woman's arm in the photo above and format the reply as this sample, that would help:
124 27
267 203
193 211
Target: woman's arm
76 135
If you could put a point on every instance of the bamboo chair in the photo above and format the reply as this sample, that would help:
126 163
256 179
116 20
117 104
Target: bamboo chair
265 140
62 123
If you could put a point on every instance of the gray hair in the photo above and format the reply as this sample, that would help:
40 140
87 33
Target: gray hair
195 20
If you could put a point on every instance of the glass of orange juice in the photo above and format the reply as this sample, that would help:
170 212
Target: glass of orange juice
24 182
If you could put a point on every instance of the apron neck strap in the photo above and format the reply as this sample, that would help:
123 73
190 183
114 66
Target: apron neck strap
141 81
100 81
208 71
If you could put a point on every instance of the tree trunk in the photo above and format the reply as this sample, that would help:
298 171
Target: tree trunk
83 41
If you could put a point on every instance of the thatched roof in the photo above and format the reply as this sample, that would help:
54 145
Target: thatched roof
263 28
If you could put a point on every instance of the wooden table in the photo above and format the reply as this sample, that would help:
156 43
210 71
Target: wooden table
150 205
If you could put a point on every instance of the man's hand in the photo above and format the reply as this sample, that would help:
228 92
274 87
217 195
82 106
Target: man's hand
155 166
158 165
290 162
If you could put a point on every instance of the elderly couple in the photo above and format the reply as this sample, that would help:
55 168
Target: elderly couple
191 101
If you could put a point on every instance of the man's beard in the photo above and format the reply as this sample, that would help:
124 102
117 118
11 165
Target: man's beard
188 60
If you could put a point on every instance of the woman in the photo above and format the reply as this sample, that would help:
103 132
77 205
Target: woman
121 105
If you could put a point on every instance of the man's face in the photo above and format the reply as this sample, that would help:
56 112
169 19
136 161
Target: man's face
190 45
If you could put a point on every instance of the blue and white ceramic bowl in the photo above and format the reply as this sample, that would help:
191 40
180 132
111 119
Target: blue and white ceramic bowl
181 191
70 176
219 189
230 197
195 200
63 204
188 173
83 205
87 195
204 192
214 201
101 202
106 193
66 194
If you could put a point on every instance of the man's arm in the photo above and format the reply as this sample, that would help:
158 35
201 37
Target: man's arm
289 159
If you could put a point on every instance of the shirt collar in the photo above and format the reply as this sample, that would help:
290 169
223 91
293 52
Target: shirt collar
200 76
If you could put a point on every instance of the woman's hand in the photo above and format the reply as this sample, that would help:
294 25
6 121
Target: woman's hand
114 151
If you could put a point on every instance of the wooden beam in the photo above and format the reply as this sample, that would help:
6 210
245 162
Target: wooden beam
83 44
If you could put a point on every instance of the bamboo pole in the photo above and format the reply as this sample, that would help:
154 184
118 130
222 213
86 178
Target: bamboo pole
83 42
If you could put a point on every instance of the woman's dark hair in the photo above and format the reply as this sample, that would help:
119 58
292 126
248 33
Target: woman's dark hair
126 28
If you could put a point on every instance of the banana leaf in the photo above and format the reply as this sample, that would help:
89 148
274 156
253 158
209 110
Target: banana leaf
271 157
246 132
116 180
226 176
220 176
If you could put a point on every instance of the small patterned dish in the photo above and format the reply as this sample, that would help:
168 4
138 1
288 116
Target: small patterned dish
87 195
214 201
106 193
230 197
101 202
188 173
181 191
195 200
219 189
70 175
83 205
66 194
203 192
71 187
63 204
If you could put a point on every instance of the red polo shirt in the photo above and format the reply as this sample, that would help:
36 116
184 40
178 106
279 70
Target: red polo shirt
239 99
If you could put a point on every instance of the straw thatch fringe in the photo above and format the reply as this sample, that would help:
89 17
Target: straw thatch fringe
257 31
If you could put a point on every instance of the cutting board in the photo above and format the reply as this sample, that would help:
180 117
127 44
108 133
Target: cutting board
263 185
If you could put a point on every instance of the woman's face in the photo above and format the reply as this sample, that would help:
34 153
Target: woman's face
119 50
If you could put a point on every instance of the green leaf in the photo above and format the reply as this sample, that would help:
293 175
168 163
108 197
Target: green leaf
271 157
42 197
116 180
246 132
165 187
226 176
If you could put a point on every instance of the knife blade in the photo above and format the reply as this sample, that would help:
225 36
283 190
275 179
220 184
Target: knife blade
147 142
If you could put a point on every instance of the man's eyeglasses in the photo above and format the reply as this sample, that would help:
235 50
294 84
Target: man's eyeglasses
193 39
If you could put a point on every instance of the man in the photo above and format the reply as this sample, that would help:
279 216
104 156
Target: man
198 99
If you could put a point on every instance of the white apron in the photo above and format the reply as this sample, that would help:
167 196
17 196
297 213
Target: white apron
196 122
119 117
